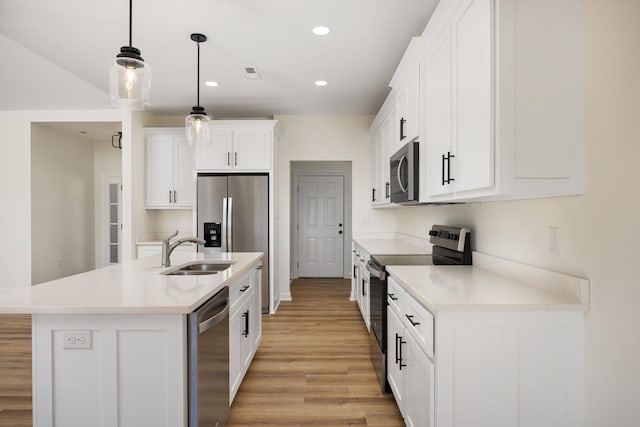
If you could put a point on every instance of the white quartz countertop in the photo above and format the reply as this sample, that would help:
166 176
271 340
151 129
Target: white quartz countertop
131 287
393 246
446 287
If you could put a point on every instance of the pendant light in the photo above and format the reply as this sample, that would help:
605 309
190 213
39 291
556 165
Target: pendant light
129 76
197 123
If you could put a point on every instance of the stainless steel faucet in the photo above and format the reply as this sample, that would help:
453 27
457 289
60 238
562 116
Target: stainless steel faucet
168 247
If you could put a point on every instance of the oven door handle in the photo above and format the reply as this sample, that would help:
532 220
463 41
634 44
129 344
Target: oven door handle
373 271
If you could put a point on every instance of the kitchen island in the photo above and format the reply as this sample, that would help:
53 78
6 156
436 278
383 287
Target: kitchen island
110 345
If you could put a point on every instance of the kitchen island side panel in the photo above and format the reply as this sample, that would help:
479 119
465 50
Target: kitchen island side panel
131 372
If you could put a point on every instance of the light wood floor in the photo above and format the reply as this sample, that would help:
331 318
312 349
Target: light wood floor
15 370
313 366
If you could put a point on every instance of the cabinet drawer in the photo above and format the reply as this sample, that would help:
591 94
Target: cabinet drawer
240 292
419 322
395 296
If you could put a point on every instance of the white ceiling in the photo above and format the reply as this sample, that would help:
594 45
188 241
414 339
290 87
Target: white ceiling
357 57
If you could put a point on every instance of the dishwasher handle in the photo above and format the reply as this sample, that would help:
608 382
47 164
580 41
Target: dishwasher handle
213 311
222 311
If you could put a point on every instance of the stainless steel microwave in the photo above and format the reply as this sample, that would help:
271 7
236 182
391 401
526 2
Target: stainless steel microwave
404 179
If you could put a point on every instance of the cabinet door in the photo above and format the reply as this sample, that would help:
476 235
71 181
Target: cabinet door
408 101
439 93
412 113
388 149
472 28
375 168
159 171
395 368
236 324
251 149
184 186
217 155
256 321
247 313
364 305
419 386
355 280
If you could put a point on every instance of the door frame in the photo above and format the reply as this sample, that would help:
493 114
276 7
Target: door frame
321 168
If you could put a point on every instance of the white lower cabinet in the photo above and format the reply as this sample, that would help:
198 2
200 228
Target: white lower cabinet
409 370
360 282
419 385
395 372
245 327
489 367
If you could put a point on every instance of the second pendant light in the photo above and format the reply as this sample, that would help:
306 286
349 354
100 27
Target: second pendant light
197 123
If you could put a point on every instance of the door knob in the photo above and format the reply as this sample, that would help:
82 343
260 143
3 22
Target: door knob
340 225
340 232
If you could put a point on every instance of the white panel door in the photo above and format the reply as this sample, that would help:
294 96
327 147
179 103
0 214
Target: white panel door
320 226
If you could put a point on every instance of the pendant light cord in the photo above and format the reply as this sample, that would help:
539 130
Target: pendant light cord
130 22
198 80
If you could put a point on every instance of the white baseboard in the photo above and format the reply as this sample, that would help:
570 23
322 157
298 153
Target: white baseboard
285 296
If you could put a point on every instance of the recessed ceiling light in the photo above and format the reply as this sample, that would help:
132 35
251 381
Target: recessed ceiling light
320 31
321 83
211 84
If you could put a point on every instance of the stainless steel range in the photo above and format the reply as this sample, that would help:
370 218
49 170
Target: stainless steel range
452 246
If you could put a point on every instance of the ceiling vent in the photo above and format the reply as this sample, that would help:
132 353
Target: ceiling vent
251 72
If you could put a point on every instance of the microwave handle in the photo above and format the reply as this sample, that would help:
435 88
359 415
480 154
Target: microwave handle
402 187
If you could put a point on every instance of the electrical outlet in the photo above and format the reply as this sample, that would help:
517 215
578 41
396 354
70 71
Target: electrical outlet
554 240
76 339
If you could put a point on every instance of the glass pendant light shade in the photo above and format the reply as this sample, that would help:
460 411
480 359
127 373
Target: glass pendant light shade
197 126
130 80
129 76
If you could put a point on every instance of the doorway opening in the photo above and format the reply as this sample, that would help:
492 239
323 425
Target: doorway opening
320 219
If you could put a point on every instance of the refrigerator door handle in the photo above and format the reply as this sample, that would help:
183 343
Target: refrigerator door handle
223 230
230 226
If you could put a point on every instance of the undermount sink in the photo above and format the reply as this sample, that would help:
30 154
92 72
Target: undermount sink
198 269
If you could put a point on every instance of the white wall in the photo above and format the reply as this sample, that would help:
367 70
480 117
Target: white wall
323 138
107 163
62 202
600 231
15 171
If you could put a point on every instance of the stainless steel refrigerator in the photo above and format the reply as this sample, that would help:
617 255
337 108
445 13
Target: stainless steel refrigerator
233 216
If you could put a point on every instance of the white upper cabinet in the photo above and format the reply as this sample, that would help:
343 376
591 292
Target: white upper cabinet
409 107
383 142
406 83
494 93
459 103
238 145
169 169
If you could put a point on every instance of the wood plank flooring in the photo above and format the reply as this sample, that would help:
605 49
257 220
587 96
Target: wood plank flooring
15 370
313 365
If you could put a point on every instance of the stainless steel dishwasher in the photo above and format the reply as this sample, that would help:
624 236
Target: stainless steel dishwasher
209 362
